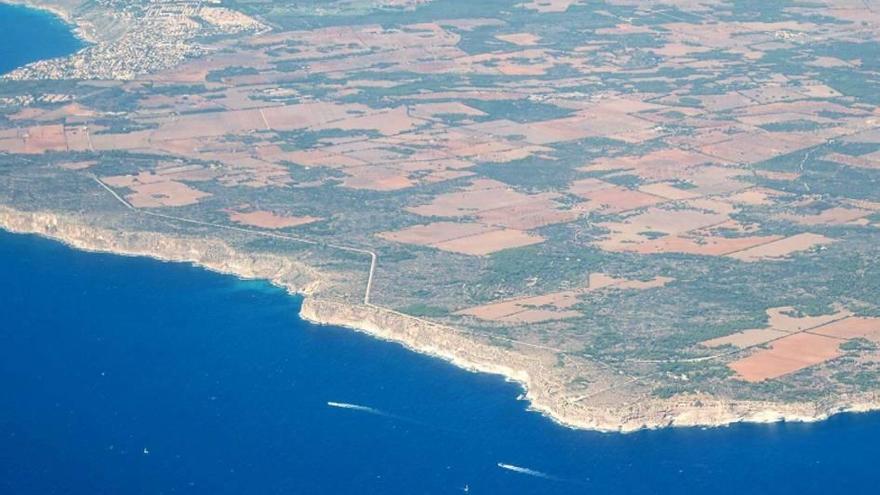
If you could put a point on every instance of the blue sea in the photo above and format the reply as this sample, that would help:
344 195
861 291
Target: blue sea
131 376
27 35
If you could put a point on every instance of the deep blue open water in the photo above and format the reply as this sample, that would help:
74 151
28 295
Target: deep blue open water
27 35
132 376
129 375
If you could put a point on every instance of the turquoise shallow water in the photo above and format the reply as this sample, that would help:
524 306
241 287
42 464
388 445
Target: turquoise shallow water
27 35
126 375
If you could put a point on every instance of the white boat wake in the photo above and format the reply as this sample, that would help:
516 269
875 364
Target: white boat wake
527 471
356 407
378 412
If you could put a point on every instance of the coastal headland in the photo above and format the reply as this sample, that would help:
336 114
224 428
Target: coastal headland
543 390
676 232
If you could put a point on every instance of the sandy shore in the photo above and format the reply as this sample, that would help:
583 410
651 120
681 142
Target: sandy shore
544 384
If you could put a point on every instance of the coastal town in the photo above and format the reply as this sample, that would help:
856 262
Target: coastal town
132 38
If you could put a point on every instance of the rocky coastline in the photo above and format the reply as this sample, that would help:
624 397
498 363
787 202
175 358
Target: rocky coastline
544 384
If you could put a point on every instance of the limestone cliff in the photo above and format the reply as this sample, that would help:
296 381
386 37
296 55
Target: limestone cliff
215 255
545 383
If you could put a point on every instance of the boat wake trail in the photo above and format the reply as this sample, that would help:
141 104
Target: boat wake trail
529 472
383 414
373 411
356 407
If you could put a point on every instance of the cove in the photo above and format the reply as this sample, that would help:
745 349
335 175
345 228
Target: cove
28 35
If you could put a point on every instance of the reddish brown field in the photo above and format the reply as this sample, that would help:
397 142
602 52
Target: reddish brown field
210 124
490 242
556 302
481 196
831 216
746 338
616 199
542 132
585 187
376 178
129 141
494 311
787 355
158 194
668 191
318 157
707 246
756 147
388 122
444 175
851 328
691 226
269 220
756 196
789 320
515 69
153 191
185 172
527 216
556 305
27 114
782 247
307 115
673 221
723 102
665 164
510 154
612 198
777 175
538 316
464 238
520 39
77 138
714 180
433 233
499 208
43 138
866 161
807 108
781 321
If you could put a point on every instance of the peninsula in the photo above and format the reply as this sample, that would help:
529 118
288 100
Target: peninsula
648 214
